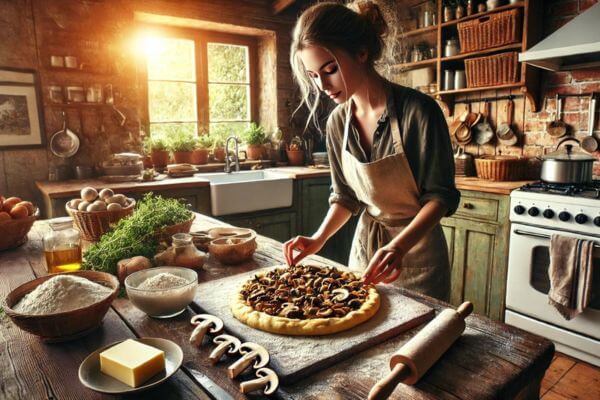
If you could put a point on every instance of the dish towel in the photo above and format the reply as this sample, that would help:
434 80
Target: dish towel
570 274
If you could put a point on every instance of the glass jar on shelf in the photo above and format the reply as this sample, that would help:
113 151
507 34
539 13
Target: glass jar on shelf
62 246
451 47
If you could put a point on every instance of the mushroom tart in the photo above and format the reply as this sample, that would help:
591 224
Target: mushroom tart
305 300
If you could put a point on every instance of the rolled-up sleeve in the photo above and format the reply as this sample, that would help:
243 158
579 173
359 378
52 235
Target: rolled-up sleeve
431 152
341 192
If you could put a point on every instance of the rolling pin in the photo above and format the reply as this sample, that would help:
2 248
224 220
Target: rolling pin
414 358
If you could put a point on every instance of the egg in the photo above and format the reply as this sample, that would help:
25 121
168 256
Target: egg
19 212
114 207
4 216
75 203
98 205
30 207
106 193
10 203
89 194
83 205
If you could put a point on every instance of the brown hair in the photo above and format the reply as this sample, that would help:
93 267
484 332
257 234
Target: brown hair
353 28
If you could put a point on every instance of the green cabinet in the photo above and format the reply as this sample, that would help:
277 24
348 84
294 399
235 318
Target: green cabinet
477 236
278 225
314 204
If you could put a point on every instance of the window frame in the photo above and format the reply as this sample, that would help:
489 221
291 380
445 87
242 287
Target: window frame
201 39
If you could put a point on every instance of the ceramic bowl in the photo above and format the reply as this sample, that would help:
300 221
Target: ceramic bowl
233 250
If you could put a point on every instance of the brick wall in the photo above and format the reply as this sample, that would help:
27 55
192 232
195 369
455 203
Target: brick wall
98 32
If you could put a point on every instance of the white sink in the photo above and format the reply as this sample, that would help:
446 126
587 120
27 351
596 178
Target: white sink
247 191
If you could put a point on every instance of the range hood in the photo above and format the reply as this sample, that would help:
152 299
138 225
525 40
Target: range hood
576 45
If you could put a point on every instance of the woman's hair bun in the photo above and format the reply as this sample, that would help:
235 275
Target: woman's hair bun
372 13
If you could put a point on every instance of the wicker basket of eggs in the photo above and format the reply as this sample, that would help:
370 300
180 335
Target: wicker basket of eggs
95 212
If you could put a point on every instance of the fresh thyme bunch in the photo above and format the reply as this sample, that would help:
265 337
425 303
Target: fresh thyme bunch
135 235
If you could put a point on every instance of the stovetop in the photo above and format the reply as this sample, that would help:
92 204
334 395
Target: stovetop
558 206
590 190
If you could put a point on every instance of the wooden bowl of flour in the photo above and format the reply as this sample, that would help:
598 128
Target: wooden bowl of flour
62 326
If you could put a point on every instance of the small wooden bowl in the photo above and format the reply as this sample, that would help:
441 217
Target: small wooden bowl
68 325
233 250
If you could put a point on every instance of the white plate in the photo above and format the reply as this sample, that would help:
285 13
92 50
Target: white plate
91 377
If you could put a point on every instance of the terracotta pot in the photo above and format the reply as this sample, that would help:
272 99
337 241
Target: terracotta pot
200 156
295 157
255 151
182 157
160 158
219 154
147 162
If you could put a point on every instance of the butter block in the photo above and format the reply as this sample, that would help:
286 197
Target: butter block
132 362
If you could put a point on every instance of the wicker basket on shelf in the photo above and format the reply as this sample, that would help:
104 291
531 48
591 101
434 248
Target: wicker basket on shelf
489 31
498 69
93 224
500 168
14 232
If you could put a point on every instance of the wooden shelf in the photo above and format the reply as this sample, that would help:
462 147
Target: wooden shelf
422 63
75 105
513 46
420 31
76 70
480 89
478 15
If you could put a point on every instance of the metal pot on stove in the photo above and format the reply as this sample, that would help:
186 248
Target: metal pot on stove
567 165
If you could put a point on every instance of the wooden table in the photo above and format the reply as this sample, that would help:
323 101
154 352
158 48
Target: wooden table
491 360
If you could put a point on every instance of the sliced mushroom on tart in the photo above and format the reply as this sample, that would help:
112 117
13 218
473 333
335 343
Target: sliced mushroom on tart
305 300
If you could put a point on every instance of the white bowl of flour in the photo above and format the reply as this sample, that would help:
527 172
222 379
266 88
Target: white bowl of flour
162 292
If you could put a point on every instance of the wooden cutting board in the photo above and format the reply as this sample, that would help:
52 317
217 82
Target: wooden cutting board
294 357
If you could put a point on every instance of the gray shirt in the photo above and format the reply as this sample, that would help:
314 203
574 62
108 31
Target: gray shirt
425 140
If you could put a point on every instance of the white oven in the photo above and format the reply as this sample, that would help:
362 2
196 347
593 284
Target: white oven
527 293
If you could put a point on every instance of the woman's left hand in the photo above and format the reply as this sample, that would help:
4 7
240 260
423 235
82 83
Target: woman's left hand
385 266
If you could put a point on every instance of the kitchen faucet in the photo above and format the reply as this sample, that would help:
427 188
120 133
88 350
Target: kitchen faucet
236 158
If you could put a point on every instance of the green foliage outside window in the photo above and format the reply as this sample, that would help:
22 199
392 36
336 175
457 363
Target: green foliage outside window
204 142
182 141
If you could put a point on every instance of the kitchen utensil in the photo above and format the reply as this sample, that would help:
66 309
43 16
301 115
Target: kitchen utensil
418 355
589 143
463 163
120 118
64 143
567 166
483 132
557 128
457 122
91 376
504 132
292 362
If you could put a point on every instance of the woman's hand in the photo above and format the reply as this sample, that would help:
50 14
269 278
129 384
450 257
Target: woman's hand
304 244
385 266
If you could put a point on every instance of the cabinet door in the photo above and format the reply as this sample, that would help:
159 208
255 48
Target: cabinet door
280 226
477 261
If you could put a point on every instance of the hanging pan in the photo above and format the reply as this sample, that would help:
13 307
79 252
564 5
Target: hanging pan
589 143
483 132
557 128
64 143
504 132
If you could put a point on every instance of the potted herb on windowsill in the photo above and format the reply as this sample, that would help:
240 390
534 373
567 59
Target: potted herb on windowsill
182 145
200 153
254 137
295 152
219 150
159 153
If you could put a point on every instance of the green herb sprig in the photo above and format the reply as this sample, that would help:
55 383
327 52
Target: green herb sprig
135 235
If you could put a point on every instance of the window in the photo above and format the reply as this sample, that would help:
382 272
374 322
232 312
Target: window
184 98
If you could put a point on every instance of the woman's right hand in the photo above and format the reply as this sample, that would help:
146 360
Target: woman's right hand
304 244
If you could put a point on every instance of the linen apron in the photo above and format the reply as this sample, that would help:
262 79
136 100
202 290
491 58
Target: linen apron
389 190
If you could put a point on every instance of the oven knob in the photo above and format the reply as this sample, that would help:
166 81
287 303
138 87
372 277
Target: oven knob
597 221
564 216
520 210
533 211
581 218
548 213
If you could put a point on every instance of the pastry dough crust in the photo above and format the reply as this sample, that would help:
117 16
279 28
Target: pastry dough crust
305 327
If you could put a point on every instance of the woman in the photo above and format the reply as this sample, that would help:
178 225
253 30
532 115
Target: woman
389 151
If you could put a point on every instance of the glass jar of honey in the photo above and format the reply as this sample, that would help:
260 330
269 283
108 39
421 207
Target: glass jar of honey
62 246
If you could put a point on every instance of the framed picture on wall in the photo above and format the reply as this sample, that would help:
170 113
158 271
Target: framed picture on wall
20 110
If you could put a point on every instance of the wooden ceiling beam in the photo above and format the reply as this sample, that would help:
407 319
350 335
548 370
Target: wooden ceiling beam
280 5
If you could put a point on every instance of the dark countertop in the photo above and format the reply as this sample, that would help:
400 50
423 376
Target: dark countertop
491 360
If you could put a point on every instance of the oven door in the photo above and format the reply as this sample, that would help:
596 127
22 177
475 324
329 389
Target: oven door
528 282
